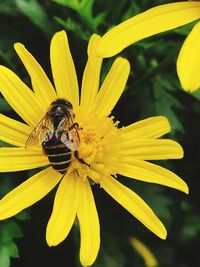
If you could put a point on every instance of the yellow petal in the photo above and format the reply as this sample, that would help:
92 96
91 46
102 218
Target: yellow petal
29 192
13 132
152 149
112 87
144 252
17 159
40 82
20 97
155 20
188 63
151 173
91 75
64 210
89 225
153 127
63 70
134 204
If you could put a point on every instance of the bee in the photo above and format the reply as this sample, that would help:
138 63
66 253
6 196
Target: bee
58 134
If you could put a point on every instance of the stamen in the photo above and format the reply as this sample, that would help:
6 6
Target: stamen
99 141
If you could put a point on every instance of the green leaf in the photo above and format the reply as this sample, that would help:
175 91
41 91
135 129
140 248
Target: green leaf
166 104
4 106
36 13
13 250
71 25
23 215
4 257
185 30
84 10
74 4
131 11
4 144
9 230
191 227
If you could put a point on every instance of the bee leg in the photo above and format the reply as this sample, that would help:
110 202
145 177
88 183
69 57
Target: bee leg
75 125
80 160
63 174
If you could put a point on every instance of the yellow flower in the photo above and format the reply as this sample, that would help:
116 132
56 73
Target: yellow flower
156 20
144 252
105 150
188 63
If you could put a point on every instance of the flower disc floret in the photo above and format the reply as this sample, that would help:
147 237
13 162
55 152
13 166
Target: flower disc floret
99 146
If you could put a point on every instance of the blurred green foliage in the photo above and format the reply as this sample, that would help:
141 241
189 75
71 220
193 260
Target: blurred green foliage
152 89
8 231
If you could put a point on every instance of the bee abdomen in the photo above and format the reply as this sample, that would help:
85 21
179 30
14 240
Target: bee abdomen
59 156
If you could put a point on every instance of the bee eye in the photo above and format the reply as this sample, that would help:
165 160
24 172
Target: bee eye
68 104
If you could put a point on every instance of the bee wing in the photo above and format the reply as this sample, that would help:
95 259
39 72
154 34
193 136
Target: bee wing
70 136
69 141
42 132
65 124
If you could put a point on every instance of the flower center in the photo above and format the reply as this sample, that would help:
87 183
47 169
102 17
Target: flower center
90 148
99 147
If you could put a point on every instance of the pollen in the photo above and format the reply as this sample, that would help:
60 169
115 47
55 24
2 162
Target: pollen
90 148
99 138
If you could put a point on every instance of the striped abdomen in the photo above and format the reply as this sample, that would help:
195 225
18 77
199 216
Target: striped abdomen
59 155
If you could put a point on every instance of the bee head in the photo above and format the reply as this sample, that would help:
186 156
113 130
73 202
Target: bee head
60 108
